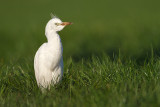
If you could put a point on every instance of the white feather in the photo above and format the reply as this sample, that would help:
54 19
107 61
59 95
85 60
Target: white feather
48 61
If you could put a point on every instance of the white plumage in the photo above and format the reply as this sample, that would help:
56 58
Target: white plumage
48 61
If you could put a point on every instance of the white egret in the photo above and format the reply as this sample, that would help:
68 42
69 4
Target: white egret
48 61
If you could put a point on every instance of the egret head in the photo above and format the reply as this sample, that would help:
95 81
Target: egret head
55 24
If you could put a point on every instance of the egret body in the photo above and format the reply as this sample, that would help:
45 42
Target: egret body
48 61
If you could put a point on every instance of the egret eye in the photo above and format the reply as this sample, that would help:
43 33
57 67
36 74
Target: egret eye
57 24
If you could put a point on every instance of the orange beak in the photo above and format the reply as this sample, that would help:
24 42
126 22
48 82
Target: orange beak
66 23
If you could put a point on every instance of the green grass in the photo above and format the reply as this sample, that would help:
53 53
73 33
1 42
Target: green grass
111 53
95 82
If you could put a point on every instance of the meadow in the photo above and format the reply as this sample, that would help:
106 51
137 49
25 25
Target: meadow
111 53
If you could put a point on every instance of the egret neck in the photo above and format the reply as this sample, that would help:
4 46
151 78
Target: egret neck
54 40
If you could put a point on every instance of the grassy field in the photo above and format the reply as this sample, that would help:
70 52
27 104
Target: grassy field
111 53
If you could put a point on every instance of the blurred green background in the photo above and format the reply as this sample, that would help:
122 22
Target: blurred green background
100 26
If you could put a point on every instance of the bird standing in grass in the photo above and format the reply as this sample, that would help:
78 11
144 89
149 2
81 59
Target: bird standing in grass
48 61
